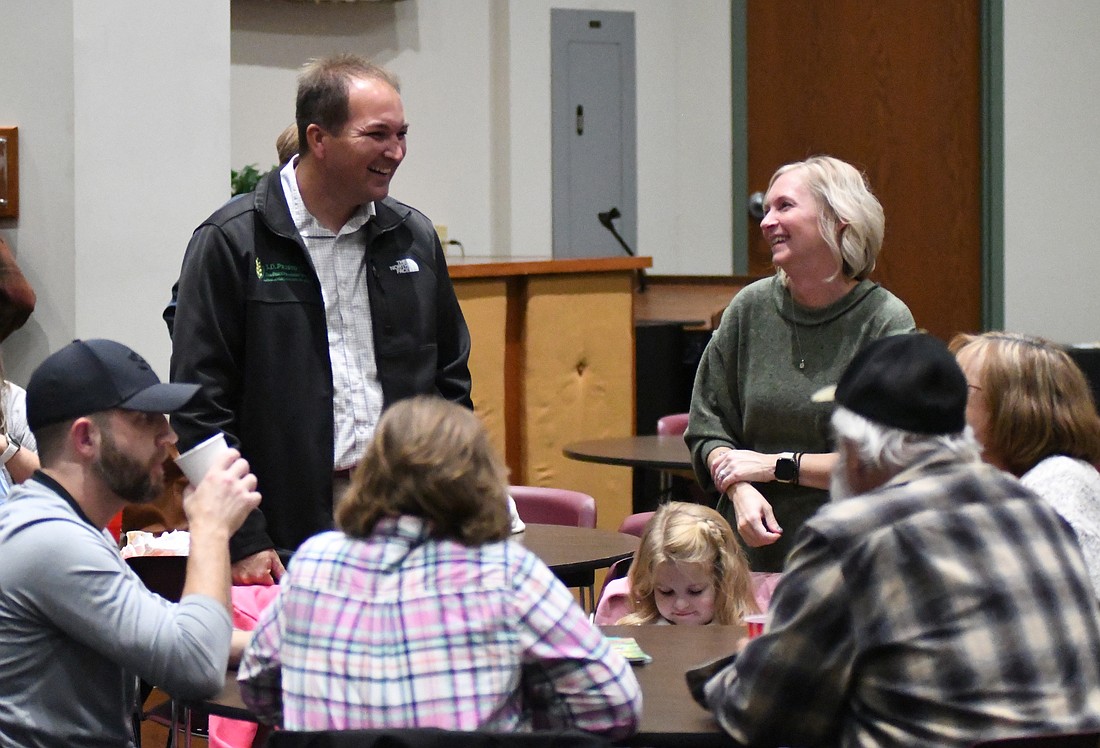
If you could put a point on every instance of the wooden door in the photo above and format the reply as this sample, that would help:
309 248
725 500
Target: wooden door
895 89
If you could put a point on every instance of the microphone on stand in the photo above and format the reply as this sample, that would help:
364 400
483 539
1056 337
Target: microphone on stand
608 216
605 218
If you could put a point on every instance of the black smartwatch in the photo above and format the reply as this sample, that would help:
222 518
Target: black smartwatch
786 469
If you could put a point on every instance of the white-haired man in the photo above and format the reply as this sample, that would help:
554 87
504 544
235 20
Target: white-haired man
934 601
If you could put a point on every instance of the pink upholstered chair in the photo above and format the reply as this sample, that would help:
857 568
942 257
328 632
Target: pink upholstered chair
554 506
614 601
674 424
634 524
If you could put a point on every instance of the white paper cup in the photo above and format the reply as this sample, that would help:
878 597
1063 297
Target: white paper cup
195 462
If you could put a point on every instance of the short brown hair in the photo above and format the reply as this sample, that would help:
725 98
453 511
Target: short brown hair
51 440
1039 400
323 92
430 458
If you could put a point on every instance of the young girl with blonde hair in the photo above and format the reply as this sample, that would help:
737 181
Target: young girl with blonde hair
689 570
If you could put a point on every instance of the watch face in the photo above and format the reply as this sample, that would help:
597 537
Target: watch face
785 469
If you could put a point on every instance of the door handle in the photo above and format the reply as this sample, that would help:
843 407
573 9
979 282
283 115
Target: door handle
756 205
580 119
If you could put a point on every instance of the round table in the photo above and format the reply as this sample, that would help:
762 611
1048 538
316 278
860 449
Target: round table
572 550
653 452
574 554
667 454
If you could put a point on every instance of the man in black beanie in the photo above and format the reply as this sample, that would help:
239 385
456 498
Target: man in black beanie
933 601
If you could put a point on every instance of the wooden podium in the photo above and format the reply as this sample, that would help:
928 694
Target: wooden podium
552 362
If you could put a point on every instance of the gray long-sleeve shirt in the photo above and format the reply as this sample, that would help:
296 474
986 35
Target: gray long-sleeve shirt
77 626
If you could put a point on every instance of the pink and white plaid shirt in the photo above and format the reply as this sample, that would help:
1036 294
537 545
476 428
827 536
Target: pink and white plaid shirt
403 630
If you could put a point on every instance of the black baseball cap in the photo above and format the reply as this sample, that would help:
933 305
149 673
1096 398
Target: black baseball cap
89 376
909 382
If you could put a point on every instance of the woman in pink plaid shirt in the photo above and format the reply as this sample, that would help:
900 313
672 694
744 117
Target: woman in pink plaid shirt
421 612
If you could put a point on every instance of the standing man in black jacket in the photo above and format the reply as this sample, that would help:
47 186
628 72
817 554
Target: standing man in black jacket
308 306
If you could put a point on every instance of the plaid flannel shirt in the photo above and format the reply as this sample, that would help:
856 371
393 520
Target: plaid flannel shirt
950 604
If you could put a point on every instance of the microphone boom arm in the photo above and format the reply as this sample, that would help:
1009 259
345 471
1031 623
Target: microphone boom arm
605 220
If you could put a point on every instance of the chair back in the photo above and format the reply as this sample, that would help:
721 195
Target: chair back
433 738
554 506
634 524
1088 358
1064 740
674 424
163 575
609 611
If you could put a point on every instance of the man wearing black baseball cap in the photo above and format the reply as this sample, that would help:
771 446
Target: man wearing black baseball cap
933 601
76 624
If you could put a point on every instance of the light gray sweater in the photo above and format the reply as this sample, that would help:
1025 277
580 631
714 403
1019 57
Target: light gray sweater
77 626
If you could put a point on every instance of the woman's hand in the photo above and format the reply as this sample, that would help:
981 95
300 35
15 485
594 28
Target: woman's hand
739 465
755 520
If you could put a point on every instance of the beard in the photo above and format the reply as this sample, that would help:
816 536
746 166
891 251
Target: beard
129 479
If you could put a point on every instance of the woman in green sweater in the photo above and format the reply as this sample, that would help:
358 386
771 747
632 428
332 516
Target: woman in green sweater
754 433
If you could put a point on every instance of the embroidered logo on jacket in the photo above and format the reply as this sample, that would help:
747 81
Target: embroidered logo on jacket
405 266
280 272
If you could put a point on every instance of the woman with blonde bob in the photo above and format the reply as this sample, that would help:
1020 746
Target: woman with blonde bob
420 612
689 570
1032 410
754 433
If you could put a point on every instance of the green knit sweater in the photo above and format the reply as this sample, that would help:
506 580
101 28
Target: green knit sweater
751 392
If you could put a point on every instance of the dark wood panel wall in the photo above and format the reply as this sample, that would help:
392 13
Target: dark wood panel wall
894 88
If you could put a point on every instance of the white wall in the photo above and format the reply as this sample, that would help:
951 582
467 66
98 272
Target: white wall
167 153
36 95
122 108
1052 168
476 85
124 103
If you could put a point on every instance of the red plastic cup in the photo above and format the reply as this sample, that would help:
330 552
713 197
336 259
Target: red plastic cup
755 624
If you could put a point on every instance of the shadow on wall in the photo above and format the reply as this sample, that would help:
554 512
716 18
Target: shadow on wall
285 34
24 350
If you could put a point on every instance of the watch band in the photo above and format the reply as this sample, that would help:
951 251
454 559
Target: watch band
7 454
786 470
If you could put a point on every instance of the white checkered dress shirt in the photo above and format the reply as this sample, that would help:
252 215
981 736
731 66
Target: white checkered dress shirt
339 261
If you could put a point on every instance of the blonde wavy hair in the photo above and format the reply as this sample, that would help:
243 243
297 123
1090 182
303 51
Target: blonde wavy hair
430 458
683 533
850 217
1039 400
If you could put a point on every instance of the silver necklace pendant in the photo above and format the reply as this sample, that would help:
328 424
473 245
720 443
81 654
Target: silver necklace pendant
802 364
